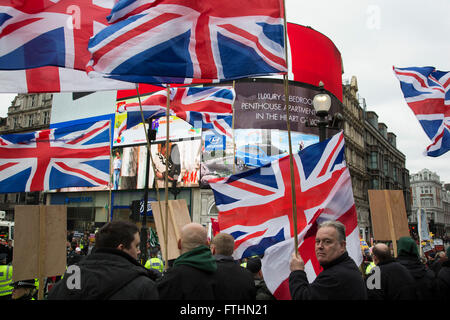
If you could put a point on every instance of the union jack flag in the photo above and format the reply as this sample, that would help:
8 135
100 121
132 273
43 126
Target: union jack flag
206 107
72 156
176 41
256 208
43 41
427 92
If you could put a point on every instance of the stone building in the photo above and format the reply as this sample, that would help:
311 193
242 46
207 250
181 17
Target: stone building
385 163
429 193
354 133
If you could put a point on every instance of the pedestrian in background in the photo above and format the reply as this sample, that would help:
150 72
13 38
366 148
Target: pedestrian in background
6 274
408 256
262 292
25 290
111 271
395 282
443 278
193 274
233 281
340 278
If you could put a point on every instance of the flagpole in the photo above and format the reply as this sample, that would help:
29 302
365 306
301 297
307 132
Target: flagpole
108 218
291 157
149 155
166 178
234 139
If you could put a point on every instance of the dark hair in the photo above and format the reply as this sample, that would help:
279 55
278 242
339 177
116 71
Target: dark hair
115 233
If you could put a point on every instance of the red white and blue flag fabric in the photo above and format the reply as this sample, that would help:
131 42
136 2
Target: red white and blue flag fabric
427 92
202 107
71 156
255 207
43 45
179 41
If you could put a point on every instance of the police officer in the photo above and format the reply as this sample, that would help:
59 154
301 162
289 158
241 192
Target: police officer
6 270
24 290
154 262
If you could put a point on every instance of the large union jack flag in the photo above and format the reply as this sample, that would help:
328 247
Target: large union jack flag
206 107
427 92
173 41
72 156
256 208
42 42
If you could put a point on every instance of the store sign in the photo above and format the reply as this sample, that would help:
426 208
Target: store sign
78 199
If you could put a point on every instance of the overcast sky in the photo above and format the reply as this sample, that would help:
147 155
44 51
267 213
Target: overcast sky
373 36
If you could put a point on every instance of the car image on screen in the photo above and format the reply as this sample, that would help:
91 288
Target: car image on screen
256 155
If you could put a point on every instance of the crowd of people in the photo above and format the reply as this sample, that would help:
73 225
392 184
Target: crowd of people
206 270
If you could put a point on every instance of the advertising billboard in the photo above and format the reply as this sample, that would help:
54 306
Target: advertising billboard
260 127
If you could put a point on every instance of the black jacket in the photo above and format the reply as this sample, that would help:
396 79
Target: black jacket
233 281
424 278
192 277
339 280
443 281
107 274
396 283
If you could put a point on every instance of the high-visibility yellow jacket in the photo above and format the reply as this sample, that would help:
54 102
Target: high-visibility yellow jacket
370 267
155 263
6 284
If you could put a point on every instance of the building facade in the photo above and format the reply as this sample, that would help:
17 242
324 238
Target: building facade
355 155
385 163
429 193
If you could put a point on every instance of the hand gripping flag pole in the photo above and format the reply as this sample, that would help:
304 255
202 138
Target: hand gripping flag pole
291 157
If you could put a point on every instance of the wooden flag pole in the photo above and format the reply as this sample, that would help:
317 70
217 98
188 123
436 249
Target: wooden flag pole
291 157
151 158
166 178
108 218
234 140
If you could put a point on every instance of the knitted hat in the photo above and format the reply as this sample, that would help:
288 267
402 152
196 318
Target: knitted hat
406 246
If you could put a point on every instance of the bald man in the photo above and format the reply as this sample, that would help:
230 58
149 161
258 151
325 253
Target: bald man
390 280
193 275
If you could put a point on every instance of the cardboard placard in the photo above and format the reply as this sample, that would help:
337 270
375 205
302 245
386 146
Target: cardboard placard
40 236
388 213
178 216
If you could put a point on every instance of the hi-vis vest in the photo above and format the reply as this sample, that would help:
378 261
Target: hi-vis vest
6 287
155 263
370 267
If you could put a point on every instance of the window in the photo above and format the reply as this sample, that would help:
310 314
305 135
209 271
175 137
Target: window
375 183
46 117
373 160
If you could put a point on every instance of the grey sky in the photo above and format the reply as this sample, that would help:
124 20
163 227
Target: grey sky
373 36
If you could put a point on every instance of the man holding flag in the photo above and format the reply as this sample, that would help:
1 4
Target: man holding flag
340 278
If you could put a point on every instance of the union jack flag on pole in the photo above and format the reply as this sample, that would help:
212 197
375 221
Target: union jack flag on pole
255 207
427 92
71 156
203 107
178 41
43 45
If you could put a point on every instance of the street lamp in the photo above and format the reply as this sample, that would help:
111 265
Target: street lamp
322 104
